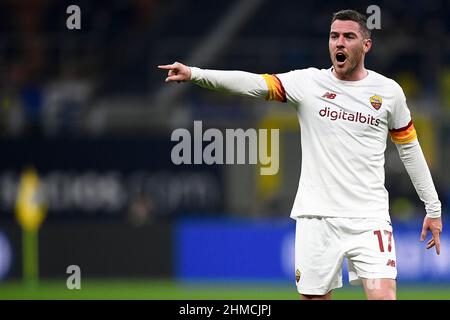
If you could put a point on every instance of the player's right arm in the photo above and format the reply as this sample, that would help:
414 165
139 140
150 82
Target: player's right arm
263 86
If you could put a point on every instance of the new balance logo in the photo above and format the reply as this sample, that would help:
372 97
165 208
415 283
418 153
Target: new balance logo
329 95
391 263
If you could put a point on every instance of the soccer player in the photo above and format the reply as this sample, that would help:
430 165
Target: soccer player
341 208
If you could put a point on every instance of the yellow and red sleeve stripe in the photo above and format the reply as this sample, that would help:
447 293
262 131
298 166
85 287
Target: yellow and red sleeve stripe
403 135
276 89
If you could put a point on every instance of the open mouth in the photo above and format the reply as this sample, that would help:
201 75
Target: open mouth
340 57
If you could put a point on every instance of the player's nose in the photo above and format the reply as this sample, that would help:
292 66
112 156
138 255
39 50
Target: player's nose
340 46
340 42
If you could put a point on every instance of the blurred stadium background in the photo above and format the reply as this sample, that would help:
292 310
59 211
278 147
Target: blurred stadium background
89 110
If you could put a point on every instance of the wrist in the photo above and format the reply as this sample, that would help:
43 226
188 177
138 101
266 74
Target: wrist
194 74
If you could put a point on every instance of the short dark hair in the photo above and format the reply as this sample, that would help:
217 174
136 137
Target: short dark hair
353 15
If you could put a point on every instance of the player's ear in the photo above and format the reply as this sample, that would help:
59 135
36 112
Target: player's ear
367 45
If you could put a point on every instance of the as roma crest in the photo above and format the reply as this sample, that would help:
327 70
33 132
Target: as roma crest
297 275
376 102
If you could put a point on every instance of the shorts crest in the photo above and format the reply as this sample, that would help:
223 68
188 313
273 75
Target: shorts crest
297 275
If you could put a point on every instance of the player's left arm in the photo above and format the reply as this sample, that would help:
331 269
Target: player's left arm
412 157
411 154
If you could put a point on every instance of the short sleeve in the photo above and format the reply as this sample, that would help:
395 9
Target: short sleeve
401 127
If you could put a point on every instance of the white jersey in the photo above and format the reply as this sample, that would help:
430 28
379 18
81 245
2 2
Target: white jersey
344 127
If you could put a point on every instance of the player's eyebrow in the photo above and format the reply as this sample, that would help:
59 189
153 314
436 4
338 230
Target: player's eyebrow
335 33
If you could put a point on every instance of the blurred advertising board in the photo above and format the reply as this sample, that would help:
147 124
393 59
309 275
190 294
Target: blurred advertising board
109 178
264 250
100 250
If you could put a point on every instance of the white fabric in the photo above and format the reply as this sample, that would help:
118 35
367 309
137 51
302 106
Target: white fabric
238 82
342 172
417 168
322 244
343 138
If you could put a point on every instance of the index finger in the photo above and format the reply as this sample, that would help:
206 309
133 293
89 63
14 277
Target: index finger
166 67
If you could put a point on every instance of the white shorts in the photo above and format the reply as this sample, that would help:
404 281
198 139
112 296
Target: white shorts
322 243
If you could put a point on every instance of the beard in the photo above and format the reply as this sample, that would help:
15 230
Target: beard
351 63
